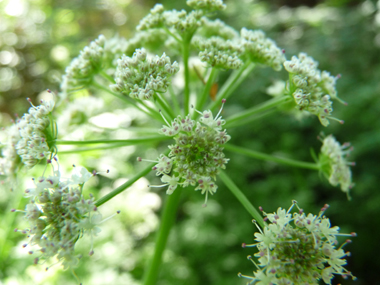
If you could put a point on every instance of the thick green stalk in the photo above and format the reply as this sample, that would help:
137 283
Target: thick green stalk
233 82
267 157
124 186
124 142
241 117
167 220
206 91
185 54
242 198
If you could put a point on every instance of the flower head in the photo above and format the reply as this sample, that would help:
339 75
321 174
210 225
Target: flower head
178 21
334 164
310 88
297 249
261 49
37 134
140 77
58 215
197 154
207 5
218 52
81 70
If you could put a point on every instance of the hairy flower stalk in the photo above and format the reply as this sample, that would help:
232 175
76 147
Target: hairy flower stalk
197 154
58 215
334 165
297 249
310 88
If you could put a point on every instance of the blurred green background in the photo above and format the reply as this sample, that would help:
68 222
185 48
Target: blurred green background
39 38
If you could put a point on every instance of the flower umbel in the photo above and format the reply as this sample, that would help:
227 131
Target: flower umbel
58 215
261 49
140 77
37 133
298 249
334 165
311 88
197 154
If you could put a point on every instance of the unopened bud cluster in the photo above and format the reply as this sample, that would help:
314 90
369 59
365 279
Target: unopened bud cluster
218 52
181 21
298 249
140 77
58 215
311 88
37 132
81 70
207 5
210 28
334 164
197 154
261 49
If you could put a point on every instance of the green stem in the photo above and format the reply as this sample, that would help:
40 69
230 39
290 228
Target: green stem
167 220
124 186
127 100
84 149
164 105
242 198
267 157
107 76
206 90
124 142
186 53
241 118
173 35
233 82
174 100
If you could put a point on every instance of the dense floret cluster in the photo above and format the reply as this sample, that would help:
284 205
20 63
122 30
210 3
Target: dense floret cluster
334 164
310 88
58 215
296 248
261 49
140 77
32 136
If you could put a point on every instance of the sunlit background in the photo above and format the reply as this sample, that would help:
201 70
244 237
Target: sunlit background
39 38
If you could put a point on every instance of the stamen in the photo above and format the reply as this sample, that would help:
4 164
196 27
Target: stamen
147 160
199 112
164 118
221 108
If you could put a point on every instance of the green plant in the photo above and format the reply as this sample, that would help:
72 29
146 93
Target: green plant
125 70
